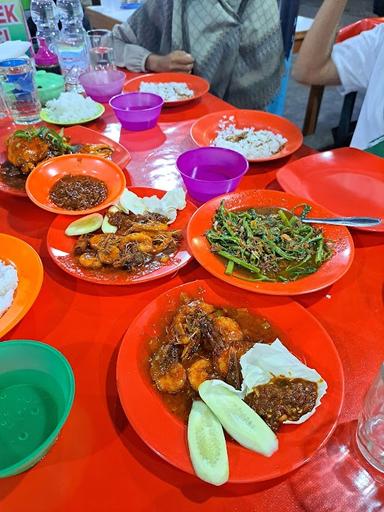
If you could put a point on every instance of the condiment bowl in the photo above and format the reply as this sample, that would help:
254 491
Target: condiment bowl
36 394
102 85
44 176
210 172
137 111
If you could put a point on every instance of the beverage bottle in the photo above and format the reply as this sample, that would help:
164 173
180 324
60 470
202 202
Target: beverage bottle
45 59
72 44
44 15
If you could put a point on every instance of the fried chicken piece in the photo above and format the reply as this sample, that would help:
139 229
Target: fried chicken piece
26 153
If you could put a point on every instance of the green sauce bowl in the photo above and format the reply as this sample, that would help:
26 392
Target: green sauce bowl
37 388
49 86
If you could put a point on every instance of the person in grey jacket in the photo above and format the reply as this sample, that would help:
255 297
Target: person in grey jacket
235 44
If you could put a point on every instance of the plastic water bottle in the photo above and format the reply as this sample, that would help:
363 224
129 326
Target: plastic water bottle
72 45
44 15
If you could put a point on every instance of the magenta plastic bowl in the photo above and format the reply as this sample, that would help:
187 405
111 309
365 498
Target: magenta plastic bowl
102 85
210 172
137 111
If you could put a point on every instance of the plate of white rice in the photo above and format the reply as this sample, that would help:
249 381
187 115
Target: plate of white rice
169 91
248 141
259 136
175 88
71 108
21 277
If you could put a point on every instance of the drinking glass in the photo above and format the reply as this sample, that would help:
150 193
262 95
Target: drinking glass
370 427
101 49
19 90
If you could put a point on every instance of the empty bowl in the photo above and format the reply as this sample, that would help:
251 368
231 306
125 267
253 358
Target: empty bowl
210 172
102 85
36 394
137 111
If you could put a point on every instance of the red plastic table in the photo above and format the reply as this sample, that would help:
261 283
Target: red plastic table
98 462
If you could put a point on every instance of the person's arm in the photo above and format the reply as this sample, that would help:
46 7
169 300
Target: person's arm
314 64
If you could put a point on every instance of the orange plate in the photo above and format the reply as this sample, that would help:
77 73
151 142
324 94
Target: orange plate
30 273
77 135
166 434
60 248
327 274
44 176
197 84
348 181
204 130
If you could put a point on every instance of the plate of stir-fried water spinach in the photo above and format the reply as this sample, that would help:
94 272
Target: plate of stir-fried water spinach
257 240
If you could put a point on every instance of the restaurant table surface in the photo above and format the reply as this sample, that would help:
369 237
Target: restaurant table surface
98 462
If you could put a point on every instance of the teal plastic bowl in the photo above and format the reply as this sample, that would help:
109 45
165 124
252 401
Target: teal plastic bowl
37 388
49 86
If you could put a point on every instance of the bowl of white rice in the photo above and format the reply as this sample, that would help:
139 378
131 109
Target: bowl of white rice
71 108
8 285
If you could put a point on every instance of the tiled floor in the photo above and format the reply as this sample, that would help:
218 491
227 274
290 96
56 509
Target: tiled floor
332 100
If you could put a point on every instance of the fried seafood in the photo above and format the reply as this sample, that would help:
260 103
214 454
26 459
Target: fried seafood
202 342
103 150
140 240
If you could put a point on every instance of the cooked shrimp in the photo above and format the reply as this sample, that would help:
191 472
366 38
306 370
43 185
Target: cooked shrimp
88 260
228 366
149 226
172 381
228 329
144 242
198 372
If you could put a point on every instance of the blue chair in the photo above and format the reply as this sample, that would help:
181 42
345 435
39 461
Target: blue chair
289 10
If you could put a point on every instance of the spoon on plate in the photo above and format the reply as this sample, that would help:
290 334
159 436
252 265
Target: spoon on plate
353 222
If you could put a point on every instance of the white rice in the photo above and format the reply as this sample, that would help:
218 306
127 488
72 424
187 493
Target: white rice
169 91
249 142
71 107
8 285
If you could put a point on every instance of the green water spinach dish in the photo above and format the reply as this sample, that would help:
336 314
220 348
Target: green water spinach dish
268 244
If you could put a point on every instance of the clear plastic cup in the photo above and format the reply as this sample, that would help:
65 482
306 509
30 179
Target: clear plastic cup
370 427
101 53
19 90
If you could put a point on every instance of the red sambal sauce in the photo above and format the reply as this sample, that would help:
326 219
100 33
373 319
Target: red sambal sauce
78 192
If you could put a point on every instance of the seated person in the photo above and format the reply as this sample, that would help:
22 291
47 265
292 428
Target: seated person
235 44
356 64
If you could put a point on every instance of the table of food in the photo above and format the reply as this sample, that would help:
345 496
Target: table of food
191 307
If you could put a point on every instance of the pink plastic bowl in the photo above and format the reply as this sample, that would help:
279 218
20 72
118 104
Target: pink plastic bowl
102 85
137 111
209 172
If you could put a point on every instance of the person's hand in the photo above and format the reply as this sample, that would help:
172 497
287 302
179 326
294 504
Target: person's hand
174 61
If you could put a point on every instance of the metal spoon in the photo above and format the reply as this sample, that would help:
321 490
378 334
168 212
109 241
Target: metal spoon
353 222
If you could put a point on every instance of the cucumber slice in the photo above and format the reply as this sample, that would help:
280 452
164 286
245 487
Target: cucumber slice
106 227
207 446
85 225
238 419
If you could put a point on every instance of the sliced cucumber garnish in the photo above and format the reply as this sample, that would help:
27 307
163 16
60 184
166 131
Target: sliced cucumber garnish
207 446
85 225
238 419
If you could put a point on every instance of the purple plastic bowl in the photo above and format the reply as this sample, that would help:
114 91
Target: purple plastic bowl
209 172
137 111
102 85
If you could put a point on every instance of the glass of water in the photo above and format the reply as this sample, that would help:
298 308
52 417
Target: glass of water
370 427
101 49
19 90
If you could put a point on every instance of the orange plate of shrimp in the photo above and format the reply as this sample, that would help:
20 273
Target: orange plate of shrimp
157 399
147 249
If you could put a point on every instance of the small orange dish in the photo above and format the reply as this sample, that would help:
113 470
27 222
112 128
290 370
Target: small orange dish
45 175
30 278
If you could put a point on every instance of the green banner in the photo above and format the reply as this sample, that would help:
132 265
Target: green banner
12 21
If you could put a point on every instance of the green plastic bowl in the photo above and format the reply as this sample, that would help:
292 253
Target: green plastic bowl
36 394
49 86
